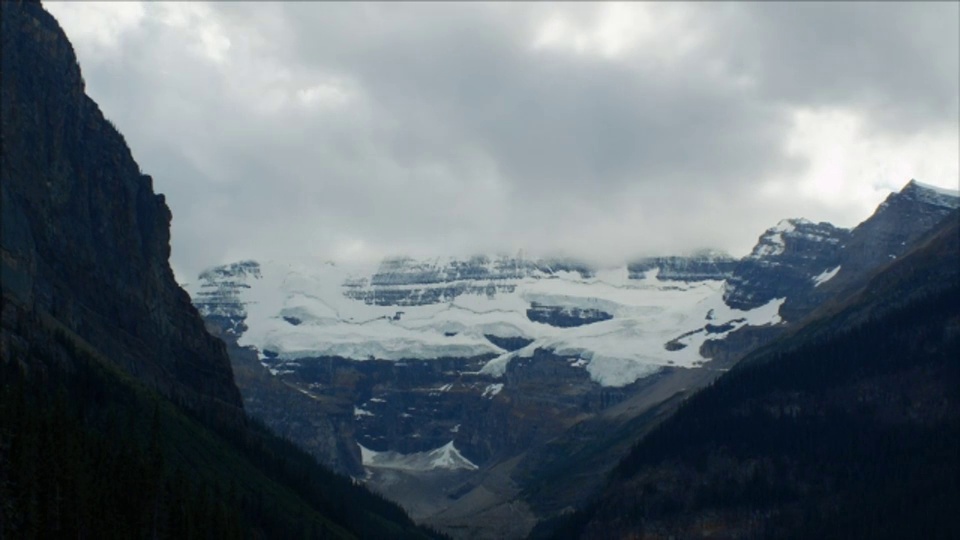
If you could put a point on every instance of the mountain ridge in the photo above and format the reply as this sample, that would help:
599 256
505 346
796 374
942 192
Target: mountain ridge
844 427
532 398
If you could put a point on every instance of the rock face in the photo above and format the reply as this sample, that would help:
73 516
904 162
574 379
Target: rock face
898 222
701 266
402 281
85 240
784 261
566 317
808 263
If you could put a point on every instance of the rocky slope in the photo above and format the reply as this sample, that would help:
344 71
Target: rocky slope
85 239
784 261
809 263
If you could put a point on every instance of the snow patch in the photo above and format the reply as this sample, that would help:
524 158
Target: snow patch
446 457
826 276
617 352
492 390
937 189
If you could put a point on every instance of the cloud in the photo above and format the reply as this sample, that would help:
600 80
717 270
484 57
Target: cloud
595 131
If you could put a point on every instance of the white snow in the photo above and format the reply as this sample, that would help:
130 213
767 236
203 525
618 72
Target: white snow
631 346
788 225
826 276
934 195
773 248
937 189
772 244
647 313
358 412
492 390
446 457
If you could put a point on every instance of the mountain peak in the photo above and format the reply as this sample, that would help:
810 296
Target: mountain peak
789 224
935 195
772 242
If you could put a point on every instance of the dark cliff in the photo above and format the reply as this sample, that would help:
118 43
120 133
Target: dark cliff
119 416
783 262
85 240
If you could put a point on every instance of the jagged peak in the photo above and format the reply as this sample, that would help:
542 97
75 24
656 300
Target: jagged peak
789 225
772 244
918 192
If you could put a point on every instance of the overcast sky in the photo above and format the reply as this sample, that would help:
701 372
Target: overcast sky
598 131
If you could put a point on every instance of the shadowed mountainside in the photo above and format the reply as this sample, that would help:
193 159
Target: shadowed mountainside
846 428
119 415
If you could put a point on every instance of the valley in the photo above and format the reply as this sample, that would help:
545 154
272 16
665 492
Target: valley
461 388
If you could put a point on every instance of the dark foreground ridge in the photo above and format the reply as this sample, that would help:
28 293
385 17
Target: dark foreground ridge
119 415
847 428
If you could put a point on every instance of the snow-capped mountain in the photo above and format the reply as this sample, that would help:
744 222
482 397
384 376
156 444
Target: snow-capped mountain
466 366
622 323
618 322
784 262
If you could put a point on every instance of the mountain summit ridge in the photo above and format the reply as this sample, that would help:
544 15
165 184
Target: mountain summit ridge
795 259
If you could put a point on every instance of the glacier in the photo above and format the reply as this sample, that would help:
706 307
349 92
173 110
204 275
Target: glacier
309 308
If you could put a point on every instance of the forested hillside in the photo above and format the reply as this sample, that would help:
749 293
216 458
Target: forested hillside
88 452
847 429
119 414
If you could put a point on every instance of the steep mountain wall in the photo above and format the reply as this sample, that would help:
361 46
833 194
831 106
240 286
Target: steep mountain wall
85 239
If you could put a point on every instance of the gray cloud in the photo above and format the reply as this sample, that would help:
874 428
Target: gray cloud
896 60
349 129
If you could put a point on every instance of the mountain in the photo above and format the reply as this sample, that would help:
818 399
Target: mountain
809 263
119 415
845 428
539 373
788 260
80 218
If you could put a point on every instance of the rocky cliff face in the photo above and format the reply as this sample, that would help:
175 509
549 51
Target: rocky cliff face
809 263
784 261
402 281
890 232
705 265
85 239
